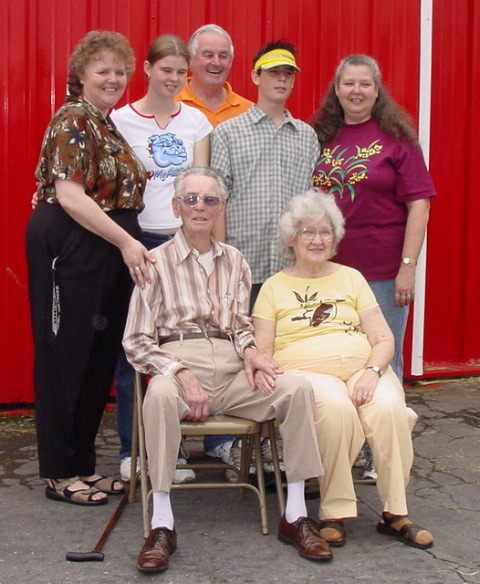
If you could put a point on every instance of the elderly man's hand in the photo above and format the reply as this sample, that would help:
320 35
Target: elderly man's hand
193 395
261 370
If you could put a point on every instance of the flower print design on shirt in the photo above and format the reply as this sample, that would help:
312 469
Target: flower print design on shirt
325 309
344 172
77 136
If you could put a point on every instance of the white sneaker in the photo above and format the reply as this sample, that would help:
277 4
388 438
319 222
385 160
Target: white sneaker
125 468
221 451
183 475
224 452
369 473
267 455
235 459
361 460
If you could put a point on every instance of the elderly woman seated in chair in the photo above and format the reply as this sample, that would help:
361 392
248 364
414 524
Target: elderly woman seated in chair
320 320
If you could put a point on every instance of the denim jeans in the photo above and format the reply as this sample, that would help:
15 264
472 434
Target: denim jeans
396 318
124 376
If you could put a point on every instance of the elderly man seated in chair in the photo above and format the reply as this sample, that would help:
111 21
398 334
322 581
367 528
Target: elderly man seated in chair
189 329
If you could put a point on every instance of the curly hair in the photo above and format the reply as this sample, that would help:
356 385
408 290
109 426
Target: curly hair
91 46
310 206
391 117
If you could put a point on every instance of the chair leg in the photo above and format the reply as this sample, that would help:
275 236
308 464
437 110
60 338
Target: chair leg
134 453
276 466
245 461
139 449
261 483
142 454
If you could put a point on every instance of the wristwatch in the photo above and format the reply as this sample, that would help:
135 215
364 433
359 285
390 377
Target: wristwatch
376 368
251 346
409 261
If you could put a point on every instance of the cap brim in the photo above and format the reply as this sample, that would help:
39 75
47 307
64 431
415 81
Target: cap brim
279 64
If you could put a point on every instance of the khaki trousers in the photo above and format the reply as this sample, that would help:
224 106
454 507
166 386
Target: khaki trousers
220 371
386 422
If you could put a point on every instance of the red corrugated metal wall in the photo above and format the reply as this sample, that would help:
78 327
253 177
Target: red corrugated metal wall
453 308
36 38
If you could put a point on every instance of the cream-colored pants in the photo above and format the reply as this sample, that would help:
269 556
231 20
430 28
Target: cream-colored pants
386 422
220 371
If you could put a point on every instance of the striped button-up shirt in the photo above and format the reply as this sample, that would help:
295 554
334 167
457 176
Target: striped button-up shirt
264 167
183 298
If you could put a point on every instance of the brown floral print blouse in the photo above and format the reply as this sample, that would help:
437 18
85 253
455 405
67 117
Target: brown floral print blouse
82 145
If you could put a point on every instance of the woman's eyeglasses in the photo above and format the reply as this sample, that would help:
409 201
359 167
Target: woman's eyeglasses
191 200
309 233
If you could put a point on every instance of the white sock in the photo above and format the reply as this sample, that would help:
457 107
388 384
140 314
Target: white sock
162 510
296 506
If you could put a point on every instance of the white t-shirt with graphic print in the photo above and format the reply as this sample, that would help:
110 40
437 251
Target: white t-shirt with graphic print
165 152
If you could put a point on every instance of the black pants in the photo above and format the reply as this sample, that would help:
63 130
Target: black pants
74 367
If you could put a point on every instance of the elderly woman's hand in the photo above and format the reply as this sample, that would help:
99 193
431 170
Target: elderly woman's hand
261 370
364 387
264 382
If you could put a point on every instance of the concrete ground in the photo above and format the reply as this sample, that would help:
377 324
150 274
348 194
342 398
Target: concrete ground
220 540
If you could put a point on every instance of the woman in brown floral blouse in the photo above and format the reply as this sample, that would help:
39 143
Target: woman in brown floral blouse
82 252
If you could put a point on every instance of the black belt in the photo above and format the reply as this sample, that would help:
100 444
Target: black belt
188 336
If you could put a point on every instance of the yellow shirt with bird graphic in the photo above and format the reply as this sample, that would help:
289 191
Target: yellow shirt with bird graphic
317 321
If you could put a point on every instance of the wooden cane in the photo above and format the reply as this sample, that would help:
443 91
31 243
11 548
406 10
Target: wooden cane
96 555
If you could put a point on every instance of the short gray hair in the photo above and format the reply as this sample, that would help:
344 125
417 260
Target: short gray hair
310 206
200 171
212 28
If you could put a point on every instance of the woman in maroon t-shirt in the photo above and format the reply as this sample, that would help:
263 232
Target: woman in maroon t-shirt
372 162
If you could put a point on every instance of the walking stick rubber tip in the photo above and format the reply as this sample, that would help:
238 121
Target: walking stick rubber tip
92 556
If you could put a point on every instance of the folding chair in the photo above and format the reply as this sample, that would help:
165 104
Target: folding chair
249 432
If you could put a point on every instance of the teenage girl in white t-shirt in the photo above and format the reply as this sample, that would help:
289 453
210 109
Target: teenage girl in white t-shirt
168 137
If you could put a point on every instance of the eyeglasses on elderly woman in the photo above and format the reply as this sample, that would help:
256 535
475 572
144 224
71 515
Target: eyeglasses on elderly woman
309 233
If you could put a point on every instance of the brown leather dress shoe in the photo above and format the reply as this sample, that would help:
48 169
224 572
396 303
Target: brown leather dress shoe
304 536
156 549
